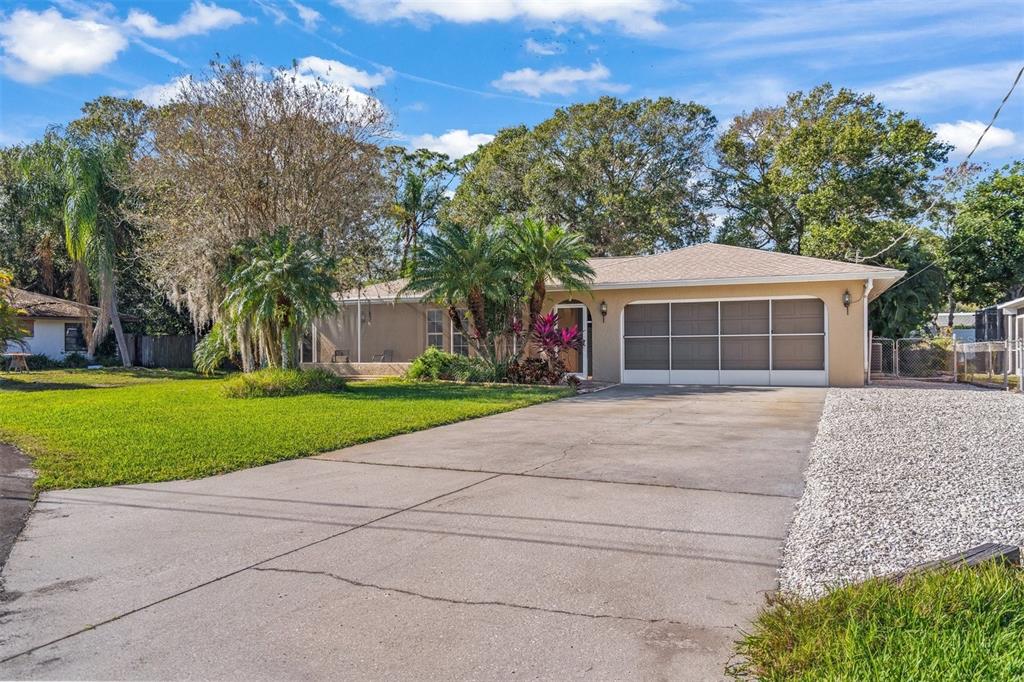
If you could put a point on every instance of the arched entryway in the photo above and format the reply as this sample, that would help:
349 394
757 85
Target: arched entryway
573 312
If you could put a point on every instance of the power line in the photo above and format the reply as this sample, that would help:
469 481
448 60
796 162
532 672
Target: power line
936 262
961 169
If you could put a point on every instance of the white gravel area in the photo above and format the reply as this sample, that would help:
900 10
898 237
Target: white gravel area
899 476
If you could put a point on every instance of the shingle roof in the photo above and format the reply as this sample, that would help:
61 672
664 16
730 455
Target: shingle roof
41 305
723 262
694 265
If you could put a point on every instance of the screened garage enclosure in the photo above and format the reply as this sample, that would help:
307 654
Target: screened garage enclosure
769 341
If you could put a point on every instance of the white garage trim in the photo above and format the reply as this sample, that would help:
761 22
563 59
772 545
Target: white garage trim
737 377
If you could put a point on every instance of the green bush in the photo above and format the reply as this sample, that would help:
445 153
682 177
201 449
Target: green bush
75 361
39 361
958 624
435 364
273 383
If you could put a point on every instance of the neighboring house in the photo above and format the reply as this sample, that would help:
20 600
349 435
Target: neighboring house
963 325
53 326
1013 318
707 314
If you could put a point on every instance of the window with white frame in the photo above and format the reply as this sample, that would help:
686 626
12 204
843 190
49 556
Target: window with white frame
460 344
435 329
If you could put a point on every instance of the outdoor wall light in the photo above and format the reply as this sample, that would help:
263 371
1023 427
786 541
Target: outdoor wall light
846 301
604 310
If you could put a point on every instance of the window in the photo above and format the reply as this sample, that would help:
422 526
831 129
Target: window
460 345
27 327
74 339
435 329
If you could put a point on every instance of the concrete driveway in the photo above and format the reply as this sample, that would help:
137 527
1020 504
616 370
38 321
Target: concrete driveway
623 534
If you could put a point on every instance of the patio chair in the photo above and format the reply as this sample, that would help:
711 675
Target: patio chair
340 356
383 356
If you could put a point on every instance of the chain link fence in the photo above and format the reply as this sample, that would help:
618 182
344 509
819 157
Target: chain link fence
988 363
883 362
925 358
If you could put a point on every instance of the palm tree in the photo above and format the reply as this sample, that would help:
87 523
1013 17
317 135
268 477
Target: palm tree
465 266
91 225
74 182
545 253
281 284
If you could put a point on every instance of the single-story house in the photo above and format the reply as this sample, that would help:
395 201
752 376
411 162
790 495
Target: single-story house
1013 314
963 325
705 314
52 326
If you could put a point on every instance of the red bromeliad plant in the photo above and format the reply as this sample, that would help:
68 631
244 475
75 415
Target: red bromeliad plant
552 341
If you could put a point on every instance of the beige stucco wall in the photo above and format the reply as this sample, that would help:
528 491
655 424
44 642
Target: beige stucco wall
402 327
845 331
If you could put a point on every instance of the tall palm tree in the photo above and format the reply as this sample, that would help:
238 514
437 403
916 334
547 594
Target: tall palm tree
91 223
465 266
74 183
281 284
545 253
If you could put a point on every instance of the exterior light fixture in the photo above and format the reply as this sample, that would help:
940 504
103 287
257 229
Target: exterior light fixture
604 310
846 301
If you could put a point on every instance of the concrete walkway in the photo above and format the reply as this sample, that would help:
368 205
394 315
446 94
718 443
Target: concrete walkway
623 534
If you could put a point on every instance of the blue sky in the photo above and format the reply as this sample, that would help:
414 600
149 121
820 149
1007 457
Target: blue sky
452 72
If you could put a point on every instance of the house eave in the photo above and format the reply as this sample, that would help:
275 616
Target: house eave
889 276
1015 304
892 275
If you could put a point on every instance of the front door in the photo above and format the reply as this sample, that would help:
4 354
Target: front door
569 315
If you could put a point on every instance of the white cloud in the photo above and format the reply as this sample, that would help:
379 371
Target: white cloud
632 16
963 135
198 19
454 143
543 49
984 82
40 45
307 15
561 81
161 93
336 73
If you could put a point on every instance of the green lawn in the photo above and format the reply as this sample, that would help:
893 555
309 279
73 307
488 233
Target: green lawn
964 624
103 427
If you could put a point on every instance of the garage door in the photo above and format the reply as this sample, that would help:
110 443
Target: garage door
779 342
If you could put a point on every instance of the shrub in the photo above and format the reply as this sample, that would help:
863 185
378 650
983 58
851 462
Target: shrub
273 383
213 350
75 361
37 362
965 623
536 371
434 364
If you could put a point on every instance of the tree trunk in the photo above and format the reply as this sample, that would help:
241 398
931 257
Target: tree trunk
244 347
80 284
115 321
952 309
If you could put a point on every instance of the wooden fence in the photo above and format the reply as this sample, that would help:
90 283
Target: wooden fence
161 351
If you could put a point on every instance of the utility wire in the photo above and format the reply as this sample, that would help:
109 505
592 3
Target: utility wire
961 169
936 262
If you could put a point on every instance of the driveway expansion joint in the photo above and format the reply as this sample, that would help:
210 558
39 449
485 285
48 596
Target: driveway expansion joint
527 474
